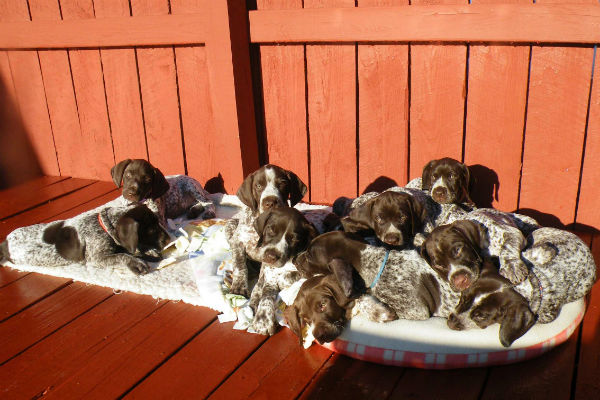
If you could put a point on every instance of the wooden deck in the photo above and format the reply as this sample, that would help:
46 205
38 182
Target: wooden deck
63 339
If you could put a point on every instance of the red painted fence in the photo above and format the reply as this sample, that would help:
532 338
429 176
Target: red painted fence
351 95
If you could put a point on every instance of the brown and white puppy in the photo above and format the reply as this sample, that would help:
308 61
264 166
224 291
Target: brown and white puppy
401 279
168 197
282 234
455 251
106 237
447 181
265 189
489 300
271 186
394 217
322 307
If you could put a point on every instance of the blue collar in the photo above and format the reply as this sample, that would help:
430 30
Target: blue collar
381 268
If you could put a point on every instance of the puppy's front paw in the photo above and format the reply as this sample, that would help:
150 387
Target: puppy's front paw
239 286
514 270
138 266
264 322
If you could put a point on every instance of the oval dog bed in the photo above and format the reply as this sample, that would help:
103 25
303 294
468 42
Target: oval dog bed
431 344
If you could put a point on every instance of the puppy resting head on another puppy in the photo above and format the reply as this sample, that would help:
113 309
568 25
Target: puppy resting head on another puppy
394 217
140 179
447 181
455 252
271 186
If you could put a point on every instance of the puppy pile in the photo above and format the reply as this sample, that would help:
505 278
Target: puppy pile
407 253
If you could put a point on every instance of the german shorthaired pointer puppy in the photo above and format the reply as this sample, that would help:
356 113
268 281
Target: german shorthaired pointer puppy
399 278
562 270
321 309
456 250
268 187
168 197
282 234
106 238
446 180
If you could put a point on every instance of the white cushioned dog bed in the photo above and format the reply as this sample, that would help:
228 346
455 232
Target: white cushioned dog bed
431 344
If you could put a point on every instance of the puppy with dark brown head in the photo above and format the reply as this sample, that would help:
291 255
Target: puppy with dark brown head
282 234
168 197
455 251
490 300
447 181
271 186
394 218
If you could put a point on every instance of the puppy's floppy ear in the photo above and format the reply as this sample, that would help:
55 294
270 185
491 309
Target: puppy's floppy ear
259 225
297 188
338 293
360 218
468 183
343 273
426 175
312 232
117 171
160 185
52 232
516 322
418 214
244 193
126 233
295 323
474 232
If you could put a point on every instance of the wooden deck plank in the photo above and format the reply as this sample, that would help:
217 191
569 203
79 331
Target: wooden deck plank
8 275
449 384
30 185
55 207
47 316
26 291
130 357
98 201
213 355
48 363
348 378
30 199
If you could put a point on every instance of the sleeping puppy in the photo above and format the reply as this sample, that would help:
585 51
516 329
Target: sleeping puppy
489 300
106 238
446 180
394 217
267 188
323 308
282 234
456 250
168 197
401 279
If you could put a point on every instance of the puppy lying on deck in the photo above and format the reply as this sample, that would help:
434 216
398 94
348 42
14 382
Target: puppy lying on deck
562 270
168 197
106 237
402 280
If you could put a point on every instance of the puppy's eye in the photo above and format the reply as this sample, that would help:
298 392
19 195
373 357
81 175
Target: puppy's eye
457 250
128 174
322 305
478 316
258 186
452 175
379 219
434 176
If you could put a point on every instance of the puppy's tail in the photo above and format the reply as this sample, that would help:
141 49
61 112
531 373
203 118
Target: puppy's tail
4 253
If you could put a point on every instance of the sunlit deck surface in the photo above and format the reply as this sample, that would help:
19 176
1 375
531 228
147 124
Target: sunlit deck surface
63 339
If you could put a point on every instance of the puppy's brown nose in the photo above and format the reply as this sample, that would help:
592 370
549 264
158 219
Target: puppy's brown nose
271 256
454 323
269 202
440 194
461 281
392 239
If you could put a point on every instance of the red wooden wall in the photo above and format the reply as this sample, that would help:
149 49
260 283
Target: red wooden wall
351 95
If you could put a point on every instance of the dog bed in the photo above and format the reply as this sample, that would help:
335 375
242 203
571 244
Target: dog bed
196 274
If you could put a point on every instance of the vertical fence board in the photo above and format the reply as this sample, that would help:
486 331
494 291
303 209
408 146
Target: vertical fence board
95 151
159 97
495 119
60 95
588 212
383 110
436 100
202 149
331 77
284 95
232 99
558 98
30 94
122 90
